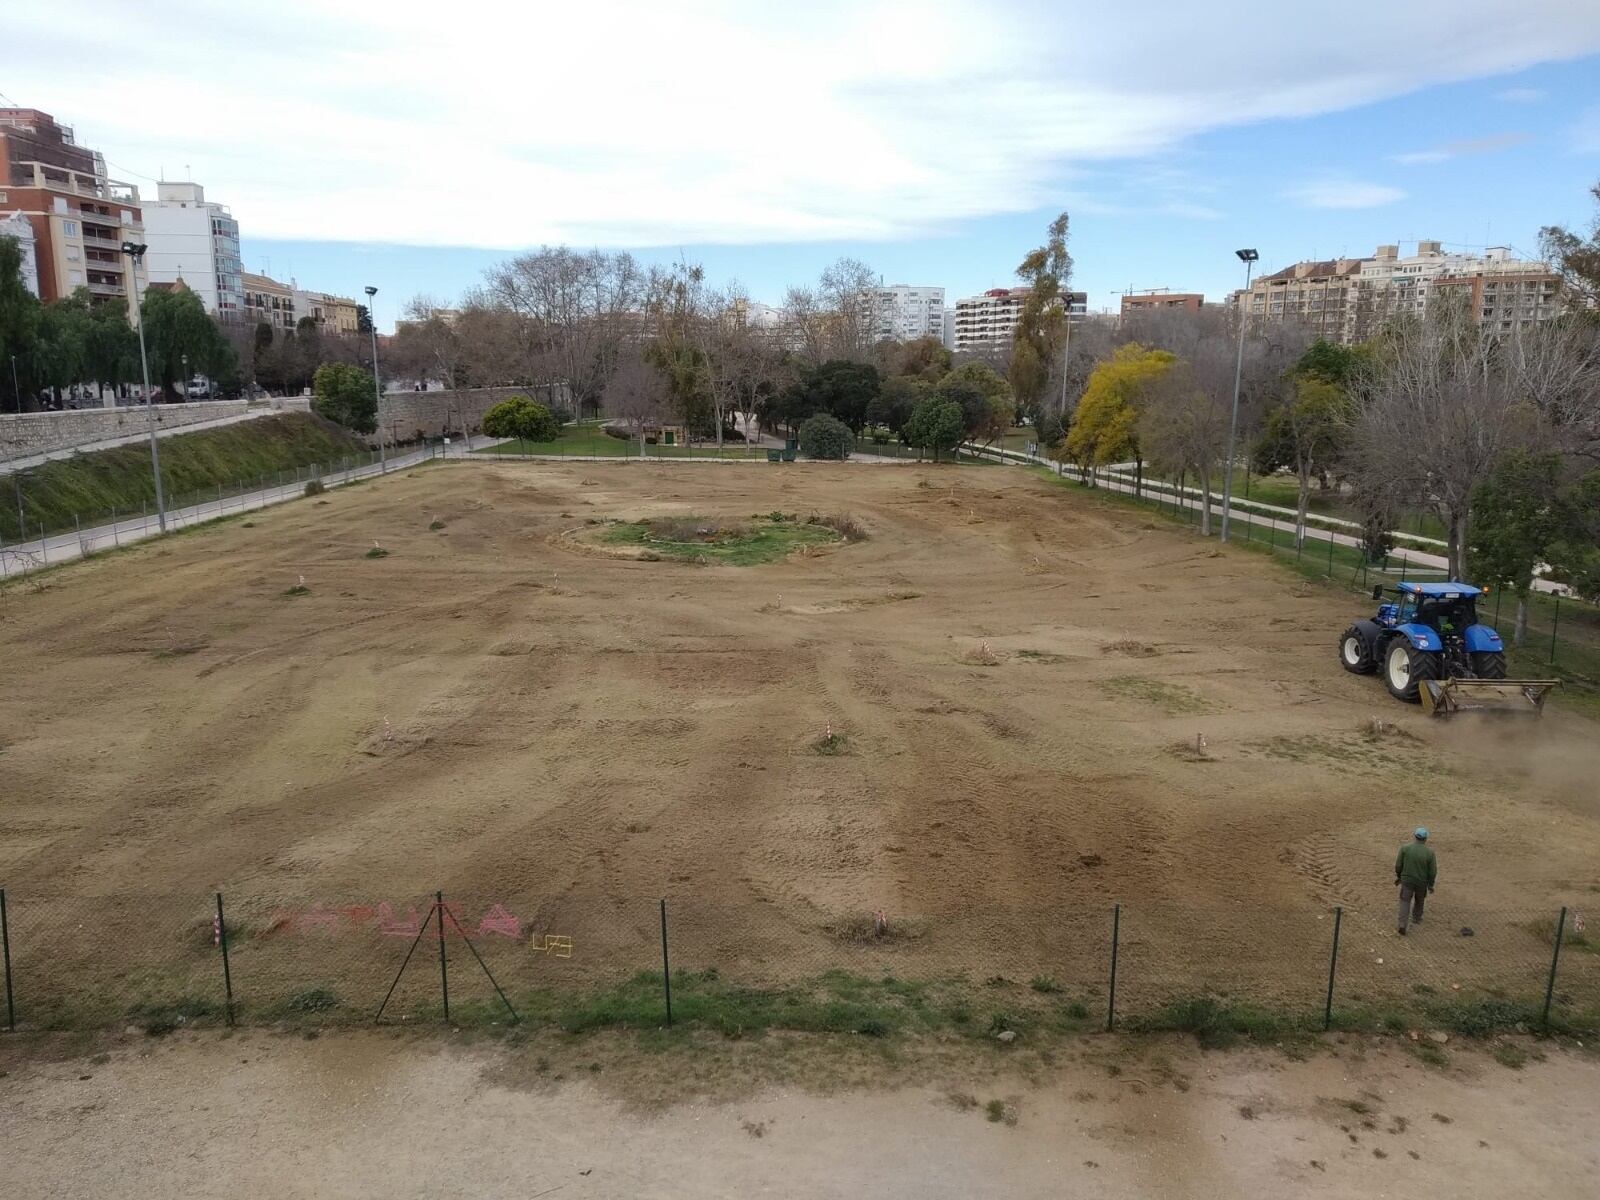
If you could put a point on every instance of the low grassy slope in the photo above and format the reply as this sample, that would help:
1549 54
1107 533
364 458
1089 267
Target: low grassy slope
91 485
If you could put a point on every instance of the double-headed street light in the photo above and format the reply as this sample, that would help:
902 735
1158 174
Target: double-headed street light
135 253
1248 258
377 386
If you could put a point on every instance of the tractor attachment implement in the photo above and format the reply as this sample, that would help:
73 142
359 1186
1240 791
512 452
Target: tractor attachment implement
1524 697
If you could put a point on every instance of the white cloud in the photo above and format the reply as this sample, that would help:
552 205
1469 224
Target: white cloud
1479 145
1343 193
1521 95
501 123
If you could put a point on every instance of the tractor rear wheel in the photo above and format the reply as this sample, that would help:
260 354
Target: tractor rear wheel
1405 667
1489 664
1355 655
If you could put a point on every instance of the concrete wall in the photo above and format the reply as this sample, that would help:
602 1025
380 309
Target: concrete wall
24 434
409 415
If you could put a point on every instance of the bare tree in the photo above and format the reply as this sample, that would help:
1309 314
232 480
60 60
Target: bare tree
847 291
1184 427
807 324
636 395
1442 406
579 309
1556 364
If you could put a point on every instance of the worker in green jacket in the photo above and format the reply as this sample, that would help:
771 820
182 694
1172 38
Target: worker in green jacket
1415 869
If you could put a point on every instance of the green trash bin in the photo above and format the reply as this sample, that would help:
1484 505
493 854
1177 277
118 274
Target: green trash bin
791 446
788 455
774 455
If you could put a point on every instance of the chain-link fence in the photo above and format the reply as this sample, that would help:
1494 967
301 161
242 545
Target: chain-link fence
161 961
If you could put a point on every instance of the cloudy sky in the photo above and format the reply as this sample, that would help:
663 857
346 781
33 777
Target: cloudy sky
408 145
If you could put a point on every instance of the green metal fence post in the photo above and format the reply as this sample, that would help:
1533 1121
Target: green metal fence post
1555 621
1116 937
5 944
666 967
1330 553
1333 966
1555 961
227 974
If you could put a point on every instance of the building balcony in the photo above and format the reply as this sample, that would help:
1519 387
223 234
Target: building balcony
99 288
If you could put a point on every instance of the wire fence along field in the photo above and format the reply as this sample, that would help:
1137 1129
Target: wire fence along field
1563 633
159 962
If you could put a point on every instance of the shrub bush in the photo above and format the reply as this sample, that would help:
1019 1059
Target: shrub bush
315 487
520 417
823 436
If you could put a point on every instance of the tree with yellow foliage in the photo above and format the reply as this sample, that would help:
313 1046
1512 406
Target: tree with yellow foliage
1105 428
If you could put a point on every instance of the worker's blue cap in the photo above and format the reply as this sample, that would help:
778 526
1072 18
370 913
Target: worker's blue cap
1422 833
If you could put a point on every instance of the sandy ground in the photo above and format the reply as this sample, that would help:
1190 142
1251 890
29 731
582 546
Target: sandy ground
260 1115
1021 673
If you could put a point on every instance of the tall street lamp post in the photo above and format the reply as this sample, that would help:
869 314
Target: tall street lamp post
1248 258
135 253
377 385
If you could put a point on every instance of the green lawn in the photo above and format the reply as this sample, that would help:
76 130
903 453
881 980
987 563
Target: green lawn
739 544
588 441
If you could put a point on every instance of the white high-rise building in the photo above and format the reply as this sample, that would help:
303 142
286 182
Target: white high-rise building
193 239
16 225
901 313
984 324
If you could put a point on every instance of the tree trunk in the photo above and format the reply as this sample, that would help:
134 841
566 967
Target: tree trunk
1457 544
1205 503
1138 477
1303 505
1519 633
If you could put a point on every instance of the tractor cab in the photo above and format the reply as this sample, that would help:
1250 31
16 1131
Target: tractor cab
1448 609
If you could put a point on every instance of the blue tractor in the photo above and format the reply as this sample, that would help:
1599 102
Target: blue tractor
1431 649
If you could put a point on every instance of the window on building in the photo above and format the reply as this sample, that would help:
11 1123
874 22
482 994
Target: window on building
69 228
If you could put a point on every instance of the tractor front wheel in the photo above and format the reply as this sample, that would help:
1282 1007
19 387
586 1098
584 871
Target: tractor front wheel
1405 667
1489 664
1354 654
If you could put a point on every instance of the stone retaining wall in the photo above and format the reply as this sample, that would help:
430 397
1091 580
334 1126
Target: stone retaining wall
410 415
25 434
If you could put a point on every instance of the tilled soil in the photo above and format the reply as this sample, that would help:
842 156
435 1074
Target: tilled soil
1047 702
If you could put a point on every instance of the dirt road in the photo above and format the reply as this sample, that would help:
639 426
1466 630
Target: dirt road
368 1116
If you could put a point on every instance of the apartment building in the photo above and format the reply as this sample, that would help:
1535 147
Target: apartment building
79 215
1320 295
902 313
197 241
268 301
985 324
1504 292
1348 300
16 226
334 315
1161 299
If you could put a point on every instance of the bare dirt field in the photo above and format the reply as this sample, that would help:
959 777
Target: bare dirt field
263 1115
1017 674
